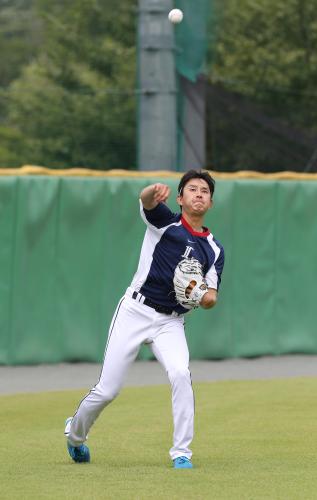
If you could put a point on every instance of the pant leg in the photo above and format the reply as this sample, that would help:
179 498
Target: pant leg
127 332
170 349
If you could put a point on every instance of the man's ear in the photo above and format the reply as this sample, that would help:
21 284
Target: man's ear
211 203
179 200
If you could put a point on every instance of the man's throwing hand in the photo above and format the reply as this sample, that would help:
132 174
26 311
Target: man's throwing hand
160 192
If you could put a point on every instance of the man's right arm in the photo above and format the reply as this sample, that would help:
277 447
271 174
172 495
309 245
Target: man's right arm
154 194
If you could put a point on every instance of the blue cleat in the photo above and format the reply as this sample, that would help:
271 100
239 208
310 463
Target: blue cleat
182 463
79 453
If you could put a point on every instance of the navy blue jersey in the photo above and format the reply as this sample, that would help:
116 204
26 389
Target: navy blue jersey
168 240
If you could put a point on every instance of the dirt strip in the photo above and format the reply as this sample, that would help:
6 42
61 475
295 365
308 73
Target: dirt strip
17 379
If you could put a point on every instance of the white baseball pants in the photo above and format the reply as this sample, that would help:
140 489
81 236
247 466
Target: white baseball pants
132 325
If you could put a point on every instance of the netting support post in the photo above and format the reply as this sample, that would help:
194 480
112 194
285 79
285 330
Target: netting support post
157 92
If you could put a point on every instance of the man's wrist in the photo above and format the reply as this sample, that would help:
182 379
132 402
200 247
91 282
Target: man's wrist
209 299
198 292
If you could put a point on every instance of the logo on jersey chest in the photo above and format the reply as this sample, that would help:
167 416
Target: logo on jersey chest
187 252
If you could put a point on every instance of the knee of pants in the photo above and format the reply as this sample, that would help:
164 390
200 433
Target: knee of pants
106 394
179 375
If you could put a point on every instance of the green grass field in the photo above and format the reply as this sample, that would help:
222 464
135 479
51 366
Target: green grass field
253 440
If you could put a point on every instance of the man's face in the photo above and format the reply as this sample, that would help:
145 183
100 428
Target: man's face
195 198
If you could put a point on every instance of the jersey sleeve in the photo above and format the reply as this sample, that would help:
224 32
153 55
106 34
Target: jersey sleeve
159 217
213 276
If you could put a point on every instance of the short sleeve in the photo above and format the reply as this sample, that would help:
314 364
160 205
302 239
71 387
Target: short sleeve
159 217
213 276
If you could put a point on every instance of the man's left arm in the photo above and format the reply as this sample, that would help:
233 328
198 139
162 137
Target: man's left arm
194 289
213 279
208 300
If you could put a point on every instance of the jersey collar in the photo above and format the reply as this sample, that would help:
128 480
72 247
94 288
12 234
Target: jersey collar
205 233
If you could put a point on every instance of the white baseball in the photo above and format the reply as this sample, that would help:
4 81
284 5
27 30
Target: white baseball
175 16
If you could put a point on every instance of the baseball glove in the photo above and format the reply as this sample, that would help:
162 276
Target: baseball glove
189 283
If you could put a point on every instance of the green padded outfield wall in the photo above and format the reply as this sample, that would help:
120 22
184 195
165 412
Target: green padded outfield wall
70 246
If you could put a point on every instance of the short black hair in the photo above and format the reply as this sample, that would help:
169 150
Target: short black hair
196 174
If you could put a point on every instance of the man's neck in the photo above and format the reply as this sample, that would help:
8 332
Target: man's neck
195 222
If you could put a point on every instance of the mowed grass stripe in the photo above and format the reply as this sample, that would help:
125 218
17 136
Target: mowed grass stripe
253 440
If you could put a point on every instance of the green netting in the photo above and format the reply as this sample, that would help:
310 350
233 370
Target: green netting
191 40
191 37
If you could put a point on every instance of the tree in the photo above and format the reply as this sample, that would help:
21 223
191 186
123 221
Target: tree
75 104
20 37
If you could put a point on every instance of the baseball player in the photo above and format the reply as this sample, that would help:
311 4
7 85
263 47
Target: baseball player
179 270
